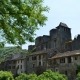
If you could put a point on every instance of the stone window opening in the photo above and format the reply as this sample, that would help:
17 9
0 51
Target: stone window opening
9 67
13 67
62 60
39 63
75 57
56 70
27 58
43 63
66 73
76 72
33 57
39 57
69 59
33 65
21 61
14 62
21 66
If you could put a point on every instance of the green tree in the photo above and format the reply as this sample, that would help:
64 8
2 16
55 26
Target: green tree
78 71
19 19
49 75
78 68
24 76
4 75
78 76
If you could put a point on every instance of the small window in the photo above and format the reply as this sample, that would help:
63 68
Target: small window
76 58
56 69
69 59
62 60
14 62
18 67
27 58
39 57
21 61
33 57
43 63
9 67
33 65
13 67
39 63
65 72
21 66
76 72
9 62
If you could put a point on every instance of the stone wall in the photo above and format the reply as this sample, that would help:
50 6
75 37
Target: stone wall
76 43
66 67
36 61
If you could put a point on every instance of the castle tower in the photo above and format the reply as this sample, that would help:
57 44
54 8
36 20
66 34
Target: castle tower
60 36
63 36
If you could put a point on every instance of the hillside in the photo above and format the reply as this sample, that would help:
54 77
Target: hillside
7 51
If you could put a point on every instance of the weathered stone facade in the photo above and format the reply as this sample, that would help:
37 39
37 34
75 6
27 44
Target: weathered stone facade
56 40
15 63
56 51
60 41
66 63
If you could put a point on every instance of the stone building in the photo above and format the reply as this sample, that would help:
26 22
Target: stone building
15 63
38 61
66 63
56 40
76 43
41 42
63 52
56 51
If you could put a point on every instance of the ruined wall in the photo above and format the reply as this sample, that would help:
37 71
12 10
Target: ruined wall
36 61
41 42
76 43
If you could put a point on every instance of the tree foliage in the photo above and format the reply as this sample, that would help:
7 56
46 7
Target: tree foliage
27 77
4 75
8 51
20 18
78 68
48 75
78 76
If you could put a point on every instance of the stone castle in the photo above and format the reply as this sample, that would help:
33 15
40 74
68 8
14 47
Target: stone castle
56 51
59 39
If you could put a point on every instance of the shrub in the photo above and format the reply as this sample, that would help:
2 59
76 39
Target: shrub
78 76
24 76
4 75
49 75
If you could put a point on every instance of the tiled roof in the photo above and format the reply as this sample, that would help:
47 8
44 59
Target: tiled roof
66 54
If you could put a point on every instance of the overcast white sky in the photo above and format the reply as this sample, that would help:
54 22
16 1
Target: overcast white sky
67 11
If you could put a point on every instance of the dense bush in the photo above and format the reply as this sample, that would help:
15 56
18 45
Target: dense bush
24 76
78 76
4 75
48 75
